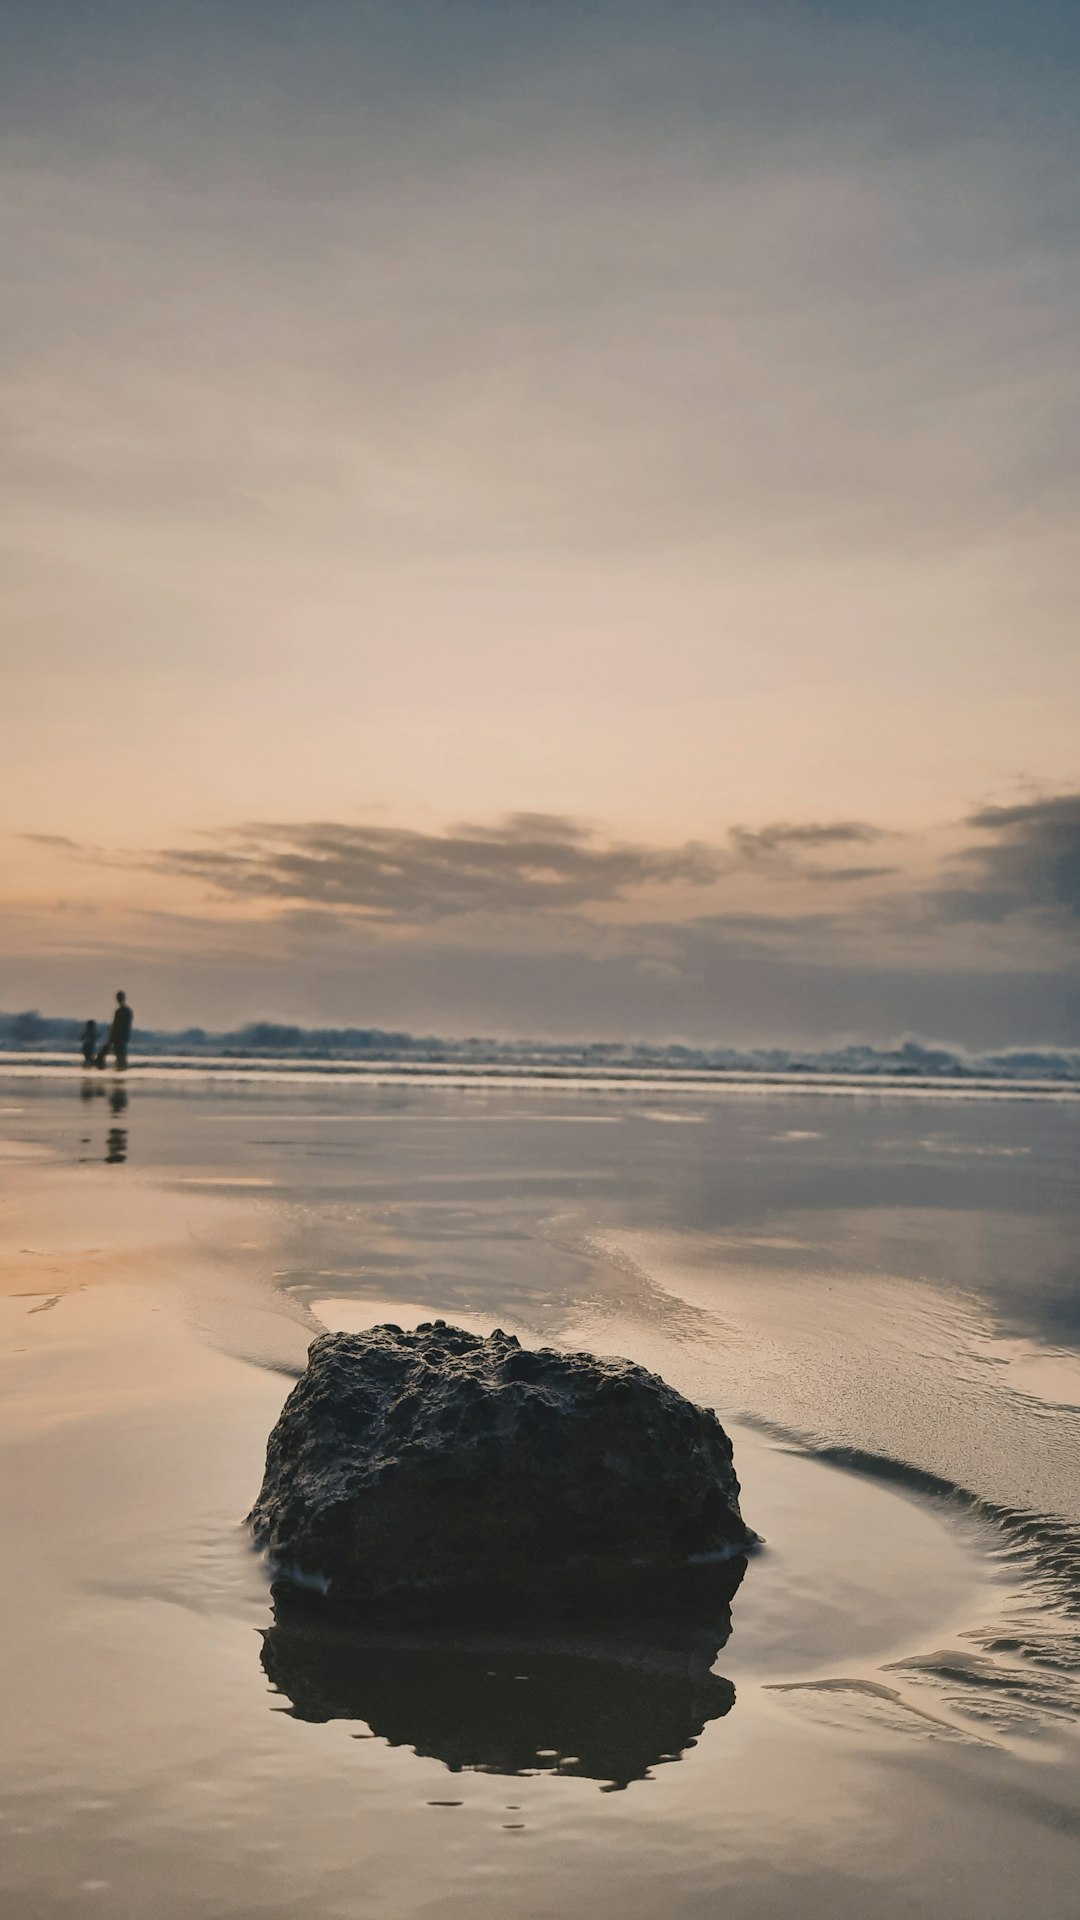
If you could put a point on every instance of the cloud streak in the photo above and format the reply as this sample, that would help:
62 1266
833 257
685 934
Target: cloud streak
528 863
782 838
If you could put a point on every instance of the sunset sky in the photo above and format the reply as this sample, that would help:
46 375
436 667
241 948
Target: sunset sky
550 518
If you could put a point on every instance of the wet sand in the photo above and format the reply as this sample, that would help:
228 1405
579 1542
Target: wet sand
902 1736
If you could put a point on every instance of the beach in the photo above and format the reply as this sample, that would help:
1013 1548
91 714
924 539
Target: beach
878 1294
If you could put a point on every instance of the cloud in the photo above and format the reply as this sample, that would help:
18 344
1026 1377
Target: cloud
527 862
777 850
844 874
776 839
1029 866
61 841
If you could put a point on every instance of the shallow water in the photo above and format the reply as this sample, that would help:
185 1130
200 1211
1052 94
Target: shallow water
880 1296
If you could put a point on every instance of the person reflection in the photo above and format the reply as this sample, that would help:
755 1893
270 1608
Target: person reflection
116 1140
116 1144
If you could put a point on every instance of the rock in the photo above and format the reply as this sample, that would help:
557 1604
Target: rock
437 1474
606 1709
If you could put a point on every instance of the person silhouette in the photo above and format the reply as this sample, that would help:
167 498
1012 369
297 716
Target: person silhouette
119 1034
88 1043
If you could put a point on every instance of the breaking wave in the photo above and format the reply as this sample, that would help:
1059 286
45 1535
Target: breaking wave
264 1046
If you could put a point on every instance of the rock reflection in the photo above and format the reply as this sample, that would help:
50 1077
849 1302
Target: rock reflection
603 1708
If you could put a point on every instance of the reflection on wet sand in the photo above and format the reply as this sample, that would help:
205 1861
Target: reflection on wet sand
604 1708
116 1140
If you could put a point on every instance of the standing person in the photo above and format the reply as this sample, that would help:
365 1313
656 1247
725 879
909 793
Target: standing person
88 1043
119 1034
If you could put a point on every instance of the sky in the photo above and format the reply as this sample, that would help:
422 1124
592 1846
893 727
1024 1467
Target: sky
543 518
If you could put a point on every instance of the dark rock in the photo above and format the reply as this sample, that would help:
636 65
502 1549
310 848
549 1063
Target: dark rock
606 1709
436 1474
